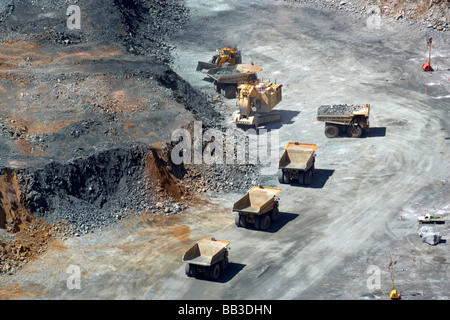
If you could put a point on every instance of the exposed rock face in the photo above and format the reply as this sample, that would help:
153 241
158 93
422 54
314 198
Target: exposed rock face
435 14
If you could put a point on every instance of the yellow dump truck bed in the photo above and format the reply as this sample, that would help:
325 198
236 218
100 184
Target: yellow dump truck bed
233 74
258 200
297 156
206 252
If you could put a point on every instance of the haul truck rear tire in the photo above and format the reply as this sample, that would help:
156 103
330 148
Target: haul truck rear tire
237 220
257 222
331 131
229 91
286 176
308 177
354 131
275 214
301 177
243 220
240 220
280 176
190 269
224 263
264 222
214 272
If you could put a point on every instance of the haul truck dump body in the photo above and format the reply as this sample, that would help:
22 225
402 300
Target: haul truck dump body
259 207
227 79
297 163
352 119
208 257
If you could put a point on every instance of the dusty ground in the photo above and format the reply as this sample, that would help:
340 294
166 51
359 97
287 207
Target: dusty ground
362 208
351 218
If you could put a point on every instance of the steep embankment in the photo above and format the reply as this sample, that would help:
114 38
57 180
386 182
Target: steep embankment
432 13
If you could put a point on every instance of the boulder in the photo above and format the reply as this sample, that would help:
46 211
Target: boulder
429 236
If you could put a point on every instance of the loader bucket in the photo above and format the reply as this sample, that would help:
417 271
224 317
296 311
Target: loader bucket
205 65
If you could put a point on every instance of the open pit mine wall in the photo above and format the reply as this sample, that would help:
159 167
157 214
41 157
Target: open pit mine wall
91 190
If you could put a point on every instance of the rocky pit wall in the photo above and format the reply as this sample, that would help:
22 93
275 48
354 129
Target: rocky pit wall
434 14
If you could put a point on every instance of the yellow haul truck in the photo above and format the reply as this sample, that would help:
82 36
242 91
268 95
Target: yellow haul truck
342 118
297 163
256 102
207 258
227 79
258 207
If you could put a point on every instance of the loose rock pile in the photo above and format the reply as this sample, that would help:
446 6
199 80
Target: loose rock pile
433 14
339 109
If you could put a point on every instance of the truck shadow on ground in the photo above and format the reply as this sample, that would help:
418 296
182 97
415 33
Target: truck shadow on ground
319 180
374 132
287 117
226 275
283 219
435 222
230 272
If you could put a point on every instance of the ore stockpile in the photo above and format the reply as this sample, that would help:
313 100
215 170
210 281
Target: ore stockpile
339 109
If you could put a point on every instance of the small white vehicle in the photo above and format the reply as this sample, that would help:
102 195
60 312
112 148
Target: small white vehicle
428 218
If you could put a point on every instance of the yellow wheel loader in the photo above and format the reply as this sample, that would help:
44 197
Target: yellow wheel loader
256 101
225 57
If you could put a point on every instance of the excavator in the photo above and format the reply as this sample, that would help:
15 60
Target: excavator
224 57
256 101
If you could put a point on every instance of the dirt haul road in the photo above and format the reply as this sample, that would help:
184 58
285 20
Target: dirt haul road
333 239
360 212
